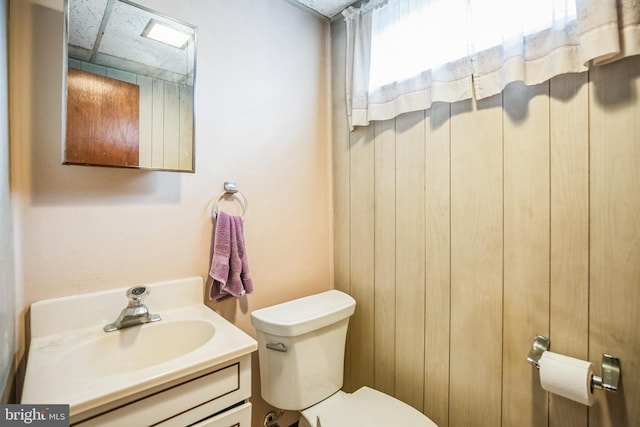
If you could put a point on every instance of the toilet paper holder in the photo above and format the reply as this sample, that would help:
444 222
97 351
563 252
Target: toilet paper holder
610 365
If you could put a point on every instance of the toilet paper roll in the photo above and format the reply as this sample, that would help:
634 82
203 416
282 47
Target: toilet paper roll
567 377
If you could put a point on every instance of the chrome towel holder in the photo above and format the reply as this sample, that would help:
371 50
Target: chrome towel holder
230 190
610 365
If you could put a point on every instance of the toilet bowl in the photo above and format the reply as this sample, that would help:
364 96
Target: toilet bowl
301 347
364 407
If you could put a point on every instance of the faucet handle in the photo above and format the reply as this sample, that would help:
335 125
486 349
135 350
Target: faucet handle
137 294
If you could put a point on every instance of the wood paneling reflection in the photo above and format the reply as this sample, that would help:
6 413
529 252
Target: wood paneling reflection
102 120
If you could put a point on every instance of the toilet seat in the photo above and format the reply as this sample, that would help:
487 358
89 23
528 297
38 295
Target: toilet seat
367 407
310 415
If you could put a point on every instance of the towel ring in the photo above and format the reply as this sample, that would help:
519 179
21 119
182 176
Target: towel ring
230 189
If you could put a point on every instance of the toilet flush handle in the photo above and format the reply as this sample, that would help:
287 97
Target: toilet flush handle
277 346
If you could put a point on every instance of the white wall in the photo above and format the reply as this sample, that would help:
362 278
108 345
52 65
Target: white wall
262 121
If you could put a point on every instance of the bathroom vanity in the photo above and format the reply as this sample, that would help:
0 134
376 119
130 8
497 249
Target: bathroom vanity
190 368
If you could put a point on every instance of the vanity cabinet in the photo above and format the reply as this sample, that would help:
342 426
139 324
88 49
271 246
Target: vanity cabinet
217 397
191 367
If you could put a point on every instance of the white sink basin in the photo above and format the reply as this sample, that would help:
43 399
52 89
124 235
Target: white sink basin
135 348
73 361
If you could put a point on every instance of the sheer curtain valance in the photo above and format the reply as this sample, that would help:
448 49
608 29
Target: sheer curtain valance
403 55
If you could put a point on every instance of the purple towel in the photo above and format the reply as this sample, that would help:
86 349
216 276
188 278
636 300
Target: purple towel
221 248
229 267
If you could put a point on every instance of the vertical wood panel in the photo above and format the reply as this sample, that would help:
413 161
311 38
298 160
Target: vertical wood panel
438 265
569 262
171 115
526 249
385 255
146 120
615 235
157 116
410 256
476 263
186 128
362 254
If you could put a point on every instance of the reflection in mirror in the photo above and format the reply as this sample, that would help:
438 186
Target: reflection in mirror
130 87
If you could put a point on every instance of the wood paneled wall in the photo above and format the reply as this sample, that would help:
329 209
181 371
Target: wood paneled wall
166 117
466 230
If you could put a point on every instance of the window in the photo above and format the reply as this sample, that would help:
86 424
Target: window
402 47
402 55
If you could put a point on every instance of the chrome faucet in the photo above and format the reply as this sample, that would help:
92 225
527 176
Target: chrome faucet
135 313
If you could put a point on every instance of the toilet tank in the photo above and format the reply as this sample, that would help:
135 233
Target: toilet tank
301 348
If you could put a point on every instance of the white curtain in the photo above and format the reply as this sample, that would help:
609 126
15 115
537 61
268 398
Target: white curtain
403 55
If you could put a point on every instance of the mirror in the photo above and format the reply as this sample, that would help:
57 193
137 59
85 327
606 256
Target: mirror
129 97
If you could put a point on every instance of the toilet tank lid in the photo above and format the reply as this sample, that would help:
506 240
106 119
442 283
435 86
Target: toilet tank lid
304 314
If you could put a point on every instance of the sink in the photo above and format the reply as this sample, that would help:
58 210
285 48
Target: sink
136 348
73 361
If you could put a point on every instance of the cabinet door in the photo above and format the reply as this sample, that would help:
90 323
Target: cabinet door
239 416
102 120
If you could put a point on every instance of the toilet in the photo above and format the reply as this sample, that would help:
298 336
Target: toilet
301 347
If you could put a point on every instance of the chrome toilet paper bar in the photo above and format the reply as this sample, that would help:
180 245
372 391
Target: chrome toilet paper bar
540 345
611 370
610 374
